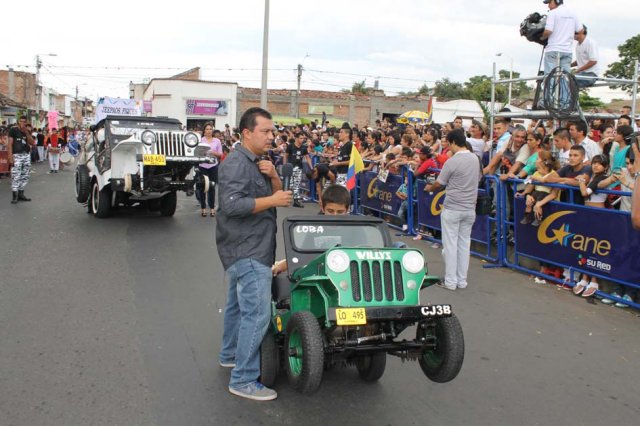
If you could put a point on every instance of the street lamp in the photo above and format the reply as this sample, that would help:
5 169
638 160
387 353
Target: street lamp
510 76
38 66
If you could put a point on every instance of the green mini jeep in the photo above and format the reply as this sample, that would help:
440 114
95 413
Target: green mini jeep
347 296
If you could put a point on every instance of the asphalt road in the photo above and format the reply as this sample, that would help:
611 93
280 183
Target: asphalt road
118 322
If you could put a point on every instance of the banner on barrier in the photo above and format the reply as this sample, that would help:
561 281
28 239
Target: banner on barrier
379 195
430 207
588 239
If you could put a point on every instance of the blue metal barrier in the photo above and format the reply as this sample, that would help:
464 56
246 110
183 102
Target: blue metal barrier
602 243
429 207
380 197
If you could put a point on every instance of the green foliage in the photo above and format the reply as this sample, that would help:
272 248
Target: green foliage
448 89
422 91
629 52
359 87
518 90
588 103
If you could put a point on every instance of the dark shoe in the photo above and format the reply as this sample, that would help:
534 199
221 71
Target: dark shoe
298 204
535 223
21 196
14 200
527 219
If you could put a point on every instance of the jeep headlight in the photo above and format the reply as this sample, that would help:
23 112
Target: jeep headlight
413 262
191 139
148 137
338 261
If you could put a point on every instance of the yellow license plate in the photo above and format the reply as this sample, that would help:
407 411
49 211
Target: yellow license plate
154 160
351 316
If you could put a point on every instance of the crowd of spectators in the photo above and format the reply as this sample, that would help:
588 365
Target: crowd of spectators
589 157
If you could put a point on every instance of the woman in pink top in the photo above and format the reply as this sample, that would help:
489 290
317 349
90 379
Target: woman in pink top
210 170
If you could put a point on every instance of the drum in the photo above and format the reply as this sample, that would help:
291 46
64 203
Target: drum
66 158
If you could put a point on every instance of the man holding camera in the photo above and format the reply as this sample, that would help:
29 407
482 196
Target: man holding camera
560 30
19 151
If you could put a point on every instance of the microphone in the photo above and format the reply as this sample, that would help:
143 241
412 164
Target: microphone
287 172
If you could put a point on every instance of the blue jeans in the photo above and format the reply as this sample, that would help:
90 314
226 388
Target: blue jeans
551 61
586 83
246 318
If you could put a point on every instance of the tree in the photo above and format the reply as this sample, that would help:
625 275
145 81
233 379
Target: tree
628 52
448 89
359 87
518 90
587 102
422 91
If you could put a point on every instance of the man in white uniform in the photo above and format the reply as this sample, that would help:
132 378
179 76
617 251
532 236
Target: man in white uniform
562 25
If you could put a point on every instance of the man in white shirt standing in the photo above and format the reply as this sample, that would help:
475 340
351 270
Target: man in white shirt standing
586 62
562 25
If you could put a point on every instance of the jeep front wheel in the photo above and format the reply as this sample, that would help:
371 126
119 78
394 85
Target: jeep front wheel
371 367
168 204
304 352
100 201
442 363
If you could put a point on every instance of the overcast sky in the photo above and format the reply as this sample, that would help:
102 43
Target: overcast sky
403 42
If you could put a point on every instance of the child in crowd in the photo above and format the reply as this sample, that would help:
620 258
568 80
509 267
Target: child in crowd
536 195
587 286
403 194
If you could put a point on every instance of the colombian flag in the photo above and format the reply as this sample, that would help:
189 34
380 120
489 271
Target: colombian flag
355 166
430 110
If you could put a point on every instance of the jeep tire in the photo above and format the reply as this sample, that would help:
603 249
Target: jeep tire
304 352
168 204
269 361
371 367
443 363
100 200
83 183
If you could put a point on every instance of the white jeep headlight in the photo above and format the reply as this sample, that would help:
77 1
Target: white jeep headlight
148 137
338 261
191 139
413 262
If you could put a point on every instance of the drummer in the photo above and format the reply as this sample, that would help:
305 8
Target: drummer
53 151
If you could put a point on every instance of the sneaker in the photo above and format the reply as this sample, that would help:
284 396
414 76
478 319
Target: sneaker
446 287
535 222
227 364
405 227
435 245
539 280
590 290
579 287
607 301
254 390
624 305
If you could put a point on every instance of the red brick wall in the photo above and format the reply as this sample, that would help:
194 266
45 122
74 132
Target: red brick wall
24 87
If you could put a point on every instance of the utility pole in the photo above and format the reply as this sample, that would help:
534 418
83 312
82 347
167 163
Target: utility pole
38 65
75 107
265 55
298 91
38 88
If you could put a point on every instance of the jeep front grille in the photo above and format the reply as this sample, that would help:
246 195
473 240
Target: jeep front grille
373 280
170 144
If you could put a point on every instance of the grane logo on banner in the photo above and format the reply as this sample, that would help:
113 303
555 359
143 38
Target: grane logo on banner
587 239
430 207
380 196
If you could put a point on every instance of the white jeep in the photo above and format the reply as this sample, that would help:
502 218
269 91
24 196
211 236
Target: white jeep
138 160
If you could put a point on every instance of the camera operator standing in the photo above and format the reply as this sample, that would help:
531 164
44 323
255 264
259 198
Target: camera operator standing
562 26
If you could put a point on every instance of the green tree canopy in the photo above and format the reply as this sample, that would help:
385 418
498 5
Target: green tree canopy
587 102
448 89
359 87
629 52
